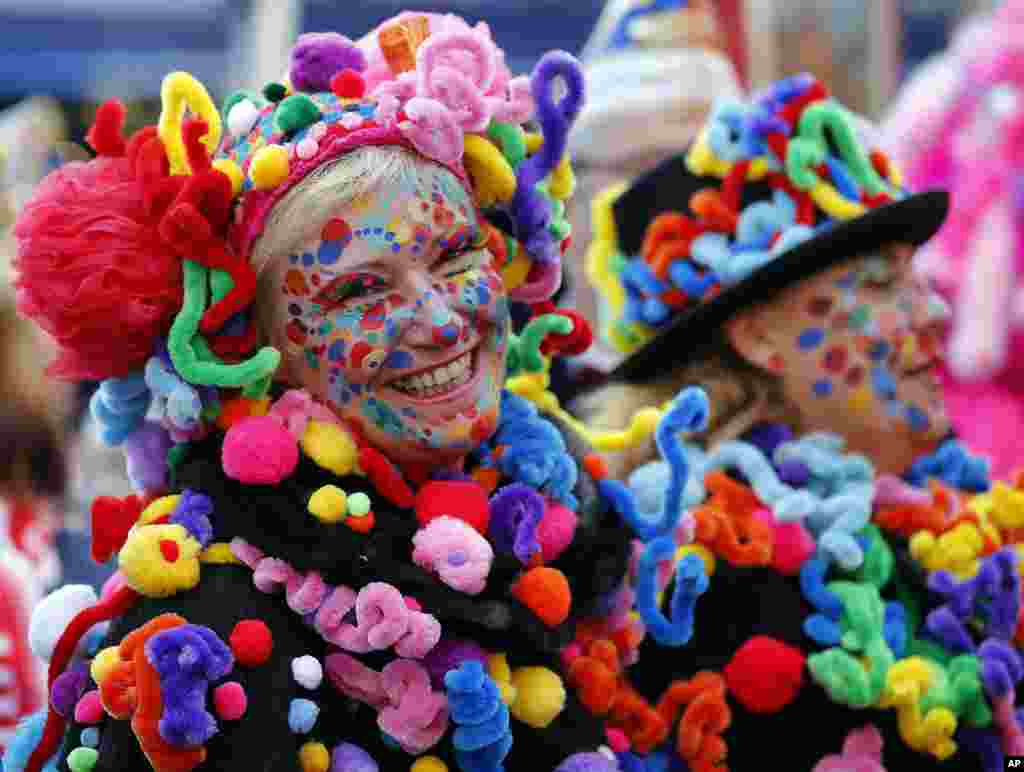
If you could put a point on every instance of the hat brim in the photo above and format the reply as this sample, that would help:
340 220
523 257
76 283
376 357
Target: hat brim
914 220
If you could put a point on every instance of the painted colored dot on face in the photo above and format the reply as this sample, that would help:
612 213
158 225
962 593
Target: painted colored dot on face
308 259
855 376
810 339
860 317
879 350
336 229
336 351
819 307
835 359
917 419
822 388
329 252
883 382
399 360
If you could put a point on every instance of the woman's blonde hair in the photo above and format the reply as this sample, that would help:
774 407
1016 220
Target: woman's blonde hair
740 395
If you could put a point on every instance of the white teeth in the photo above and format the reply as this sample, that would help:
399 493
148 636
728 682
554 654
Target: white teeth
438 380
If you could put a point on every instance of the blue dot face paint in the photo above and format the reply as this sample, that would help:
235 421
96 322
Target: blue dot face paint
402 317
863 347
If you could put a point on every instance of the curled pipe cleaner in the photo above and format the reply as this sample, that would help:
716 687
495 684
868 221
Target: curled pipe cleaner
184 336
688 413
119 406
525 349
691 583
822 627
176 402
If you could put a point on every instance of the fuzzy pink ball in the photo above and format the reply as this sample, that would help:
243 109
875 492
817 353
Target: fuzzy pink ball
259 451
556 531
230 701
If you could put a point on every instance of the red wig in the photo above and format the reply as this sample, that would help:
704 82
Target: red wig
93 270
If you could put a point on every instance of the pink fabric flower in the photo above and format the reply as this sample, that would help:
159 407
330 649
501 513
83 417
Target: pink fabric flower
456 552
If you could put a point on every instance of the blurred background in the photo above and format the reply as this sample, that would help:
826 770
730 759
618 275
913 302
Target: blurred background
654 68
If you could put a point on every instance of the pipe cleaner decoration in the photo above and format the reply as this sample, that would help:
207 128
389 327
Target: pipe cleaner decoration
794 141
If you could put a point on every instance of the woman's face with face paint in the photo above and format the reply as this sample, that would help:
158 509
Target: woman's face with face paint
855 348
402 319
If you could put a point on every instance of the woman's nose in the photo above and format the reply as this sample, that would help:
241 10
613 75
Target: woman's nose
434 321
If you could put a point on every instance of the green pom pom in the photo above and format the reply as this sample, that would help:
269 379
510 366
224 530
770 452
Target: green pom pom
240 96
82 759
275 92
296 113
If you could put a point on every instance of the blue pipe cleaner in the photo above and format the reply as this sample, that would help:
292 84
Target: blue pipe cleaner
954 465
483 736
119 406
176 401
823 627
535 451
20 747
691 583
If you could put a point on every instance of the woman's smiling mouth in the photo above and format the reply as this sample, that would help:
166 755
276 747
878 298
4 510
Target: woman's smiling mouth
447 380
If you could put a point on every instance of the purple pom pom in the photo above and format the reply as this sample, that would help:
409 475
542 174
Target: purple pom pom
318 56
351 758
193 513
145 453
447 655
516 512
767 437
68 689
794 472
587 762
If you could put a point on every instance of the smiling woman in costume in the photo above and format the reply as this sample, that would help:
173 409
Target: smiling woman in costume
847 580
350 548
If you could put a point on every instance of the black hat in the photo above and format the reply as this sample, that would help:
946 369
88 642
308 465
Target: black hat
771 193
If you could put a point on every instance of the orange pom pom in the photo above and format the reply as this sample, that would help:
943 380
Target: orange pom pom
545 591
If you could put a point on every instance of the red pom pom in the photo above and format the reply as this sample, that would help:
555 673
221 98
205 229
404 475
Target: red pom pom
765 675
459 499
112 519
105 135
230 701
251 642
348 84
92 268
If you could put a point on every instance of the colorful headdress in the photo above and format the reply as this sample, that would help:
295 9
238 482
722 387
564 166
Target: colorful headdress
770 193
149 244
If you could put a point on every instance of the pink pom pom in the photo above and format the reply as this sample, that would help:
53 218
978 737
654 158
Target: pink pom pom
89 709
617 740
459 555
793 544
259 451
556 531
230 701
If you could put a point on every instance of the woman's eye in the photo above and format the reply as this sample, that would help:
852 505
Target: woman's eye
460 262
350 288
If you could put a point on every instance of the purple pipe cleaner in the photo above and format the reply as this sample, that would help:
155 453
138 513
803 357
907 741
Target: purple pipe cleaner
145 453
530 211
516 512
1001 667
447 655
193 512
188 658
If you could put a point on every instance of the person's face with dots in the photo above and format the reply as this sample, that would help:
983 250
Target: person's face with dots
401 317
856 349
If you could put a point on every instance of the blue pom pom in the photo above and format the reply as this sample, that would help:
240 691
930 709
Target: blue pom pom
302 715
90 737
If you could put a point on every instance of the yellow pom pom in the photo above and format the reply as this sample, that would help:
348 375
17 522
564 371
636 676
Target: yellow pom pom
160 560
331 447
429 764
540 696
269 167
162 507
516 270
328 504
219 554
313 757
103 663
498 669
1007 506
233 172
